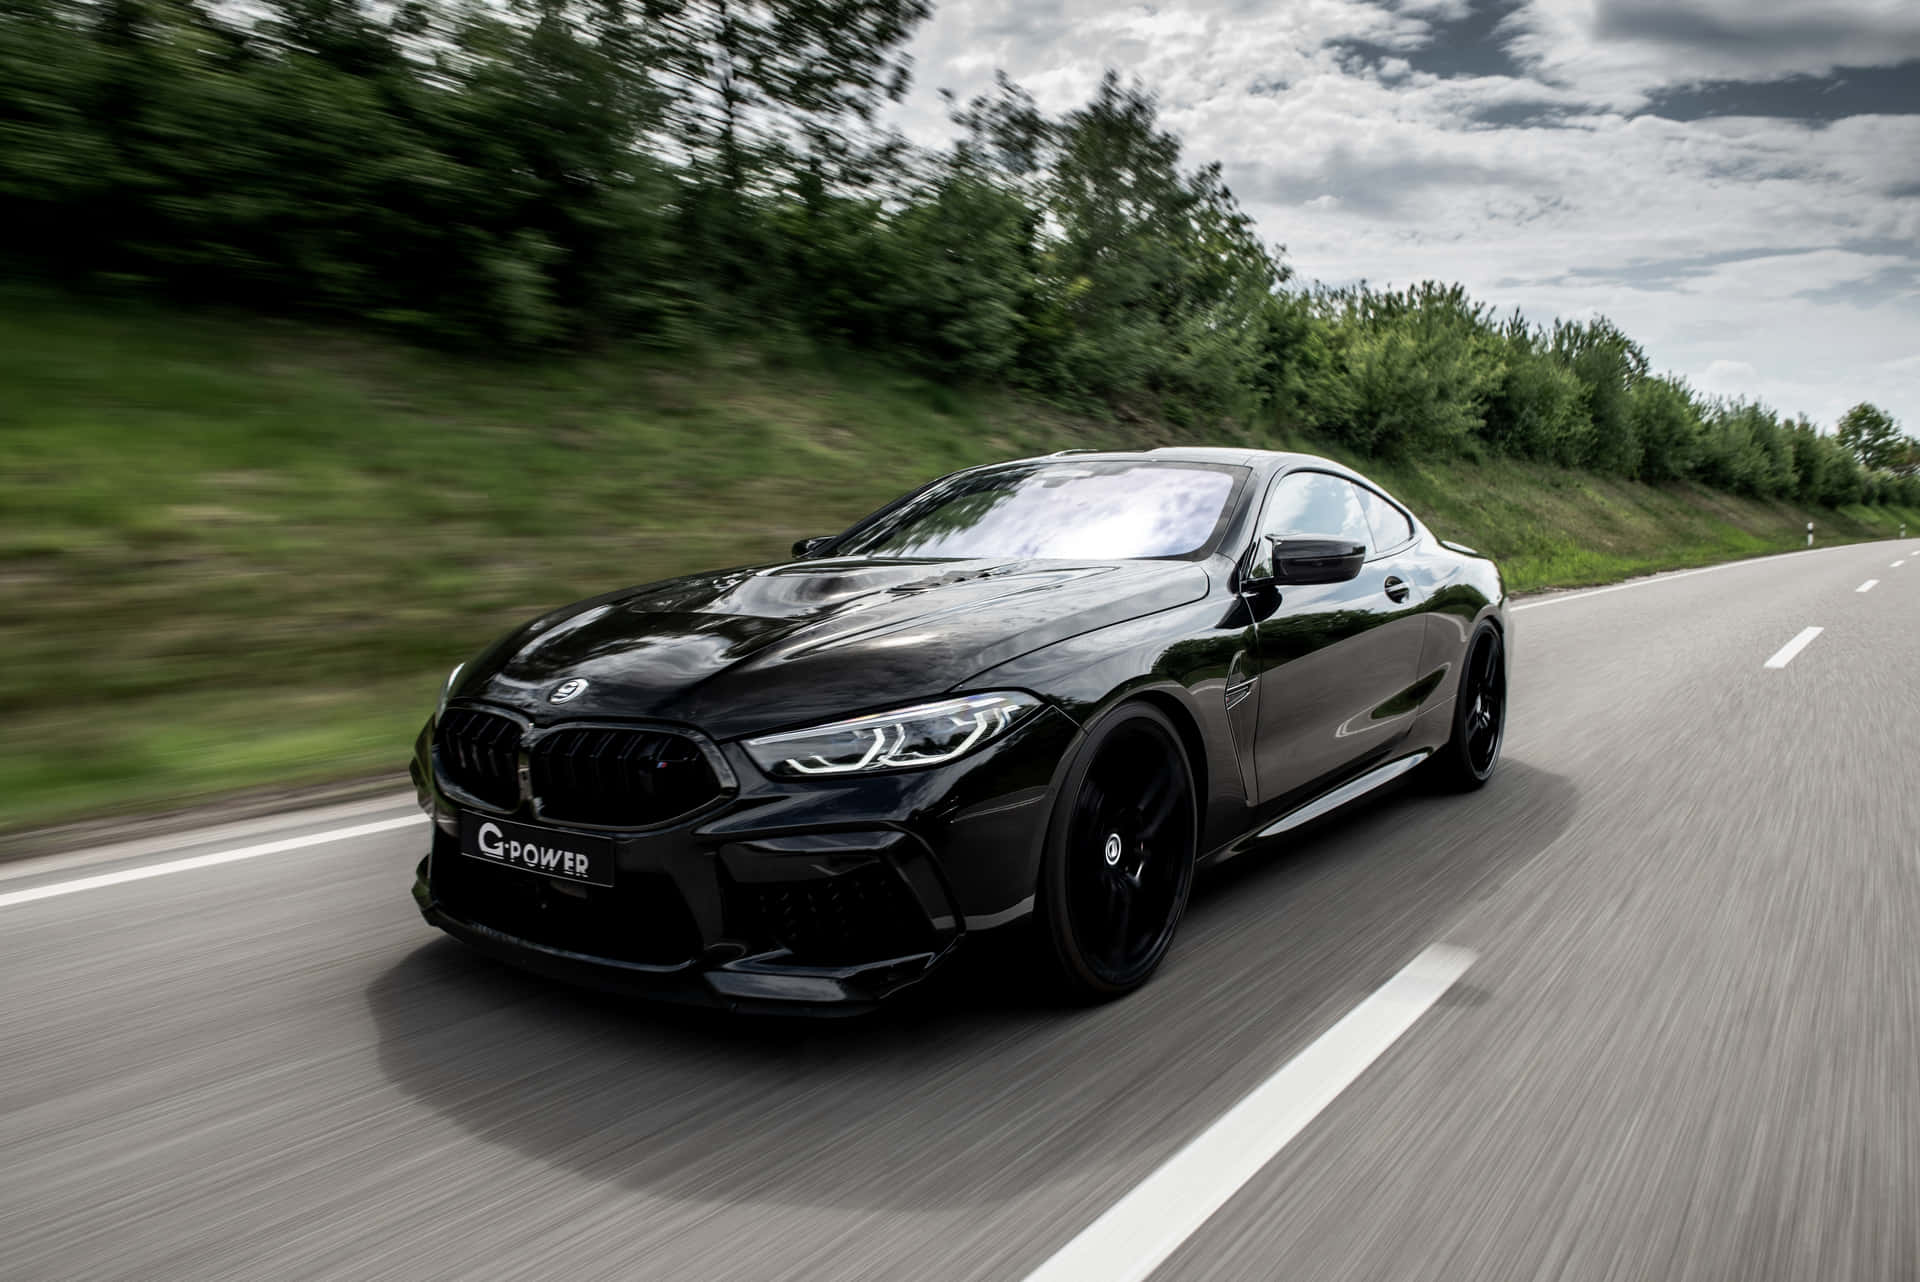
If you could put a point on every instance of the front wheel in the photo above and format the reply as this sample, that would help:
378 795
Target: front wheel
1120 855
1479 715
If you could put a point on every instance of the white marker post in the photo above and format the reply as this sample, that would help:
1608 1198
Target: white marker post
1809 533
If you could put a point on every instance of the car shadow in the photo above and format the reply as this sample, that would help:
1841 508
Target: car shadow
981 1089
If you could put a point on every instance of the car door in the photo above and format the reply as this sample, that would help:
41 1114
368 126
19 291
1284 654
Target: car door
1331 657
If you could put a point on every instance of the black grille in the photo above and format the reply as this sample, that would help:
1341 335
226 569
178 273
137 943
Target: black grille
642 919
618 777
864 915
478 753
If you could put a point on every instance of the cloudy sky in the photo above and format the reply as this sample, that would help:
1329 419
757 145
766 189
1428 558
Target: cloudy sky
1735 182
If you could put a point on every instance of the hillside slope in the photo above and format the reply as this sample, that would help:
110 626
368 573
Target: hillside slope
238 552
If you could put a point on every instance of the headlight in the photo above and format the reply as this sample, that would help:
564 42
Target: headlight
927 734
446 689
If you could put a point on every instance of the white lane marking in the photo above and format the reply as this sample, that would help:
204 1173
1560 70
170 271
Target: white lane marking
1897 564
203 861
1868 586
185 839
1784 655
1131 1239
1675 574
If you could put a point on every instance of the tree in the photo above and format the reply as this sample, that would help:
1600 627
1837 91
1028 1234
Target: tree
1296 372
1667 425
1419 367
1153 282
1609 364
962 294
1873 437
1538 409
753 78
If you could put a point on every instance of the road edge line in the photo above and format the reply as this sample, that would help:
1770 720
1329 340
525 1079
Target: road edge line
145 871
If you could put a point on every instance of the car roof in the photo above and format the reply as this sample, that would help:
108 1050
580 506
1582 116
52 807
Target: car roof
1264 461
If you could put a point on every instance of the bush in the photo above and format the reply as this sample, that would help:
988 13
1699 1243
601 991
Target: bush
1666 423
1415 369
1609 365
1538 408
554 175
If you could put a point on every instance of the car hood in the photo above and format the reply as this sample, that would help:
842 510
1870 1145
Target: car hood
740 651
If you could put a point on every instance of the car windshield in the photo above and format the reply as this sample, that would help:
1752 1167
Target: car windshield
1071 510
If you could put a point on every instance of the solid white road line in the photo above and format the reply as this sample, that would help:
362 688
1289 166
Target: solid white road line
1675 574
183 840
1142 1229
1784 655
1868 586
204 861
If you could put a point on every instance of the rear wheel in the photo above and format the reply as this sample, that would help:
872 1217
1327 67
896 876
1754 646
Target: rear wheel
1120 855
1479 715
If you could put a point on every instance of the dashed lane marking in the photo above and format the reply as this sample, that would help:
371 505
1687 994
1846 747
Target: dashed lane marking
1784 655
1137 1233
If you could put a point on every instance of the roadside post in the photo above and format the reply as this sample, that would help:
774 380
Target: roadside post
1809 533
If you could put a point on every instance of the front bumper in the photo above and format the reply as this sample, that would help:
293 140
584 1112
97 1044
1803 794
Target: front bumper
813 896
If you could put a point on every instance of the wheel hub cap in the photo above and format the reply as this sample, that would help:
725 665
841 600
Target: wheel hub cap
1114 849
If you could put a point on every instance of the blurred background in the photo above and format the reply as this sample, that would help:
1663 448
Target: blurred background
335 337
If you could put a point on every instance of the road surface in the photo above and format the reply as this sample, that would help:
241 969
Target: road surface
1685 1042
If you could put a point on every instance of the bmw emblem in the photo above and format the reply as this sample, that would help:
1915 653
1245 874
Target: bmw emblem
566 690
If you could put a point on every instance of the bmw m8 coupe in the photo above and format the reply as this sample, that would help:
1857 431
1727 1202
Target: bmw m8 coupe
1034 696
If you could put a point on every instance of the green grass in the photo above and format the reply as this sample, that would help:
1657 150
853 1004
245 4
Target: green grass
1549 527
237 552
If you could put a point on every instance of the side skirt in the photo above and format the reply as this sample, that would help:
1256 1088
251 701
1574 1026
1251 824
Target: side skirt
1327 802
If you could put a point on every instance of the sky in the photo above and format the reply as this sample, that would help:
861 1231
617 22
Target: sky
1735 183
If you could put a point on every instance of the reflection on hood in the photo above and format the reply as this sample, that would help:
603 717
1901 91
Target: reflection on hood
739 650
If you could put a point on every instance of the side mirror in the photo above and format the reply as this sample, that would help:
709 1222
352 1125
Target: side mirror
1304 561
805 548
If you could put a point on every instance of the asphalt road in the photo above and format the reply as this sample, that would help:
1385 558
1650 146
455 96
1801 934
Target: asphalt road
1688 1047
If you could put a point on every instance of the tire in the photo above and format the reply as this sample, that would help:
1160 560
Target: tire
1468 759
1119 860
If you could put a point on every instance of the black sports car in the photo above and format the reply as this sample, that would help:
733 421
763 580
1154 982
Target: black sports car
1045 689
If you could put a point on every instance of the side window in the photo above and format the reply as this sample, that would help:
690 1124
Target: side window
1389 524
1313 505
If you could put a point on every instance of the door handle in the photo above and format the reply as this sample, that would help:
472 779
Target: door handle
1397 589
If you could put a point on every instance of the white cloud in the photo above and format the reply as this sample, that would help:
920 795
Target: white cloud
1727 377
1620 50
1783 244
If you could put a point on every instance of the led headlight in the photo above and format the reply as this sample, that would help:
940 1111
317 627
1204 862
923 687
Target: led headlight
927 734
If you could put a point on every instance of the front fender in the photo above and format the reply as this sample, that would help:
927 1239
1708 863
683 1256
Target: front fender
1181 659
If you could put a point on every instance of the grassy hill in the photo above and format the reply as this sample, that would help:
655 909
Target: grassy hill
237 552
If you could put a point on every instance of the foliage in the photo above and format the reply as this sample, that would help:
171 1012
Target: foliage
542 176
1609 366
249 549
1538 408
1665 422
1872 436
1412 370
1155 276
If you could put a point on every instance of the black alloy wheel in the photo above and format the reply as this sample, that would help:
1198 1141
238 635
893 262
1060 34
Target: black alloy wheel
1479 714
1120 855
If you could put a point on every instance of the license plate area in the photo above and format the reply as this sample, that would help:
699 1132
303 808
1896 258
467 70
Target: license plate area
565 857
